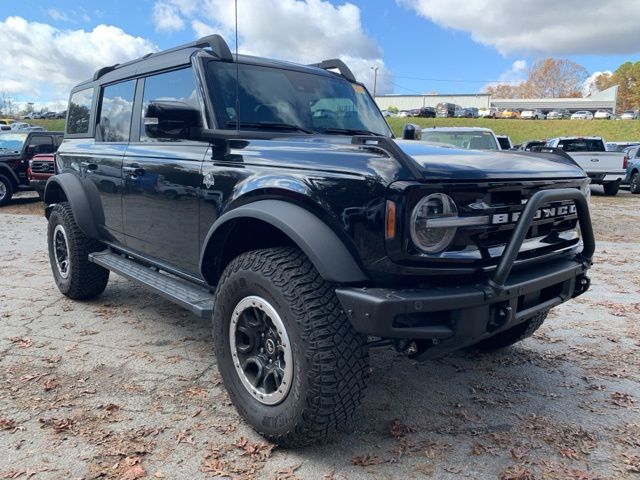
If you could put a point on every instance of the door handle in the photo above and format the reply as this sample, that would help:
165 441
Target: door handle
134 170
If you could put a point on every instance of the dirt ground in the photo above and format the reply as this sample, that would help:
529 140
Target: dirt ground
126 386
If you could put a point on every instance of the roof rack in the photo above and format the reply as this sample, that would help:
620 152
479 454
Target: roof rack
215 42
336 63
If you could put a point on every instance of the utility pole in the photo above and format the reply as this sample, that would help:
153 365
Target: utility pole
375 79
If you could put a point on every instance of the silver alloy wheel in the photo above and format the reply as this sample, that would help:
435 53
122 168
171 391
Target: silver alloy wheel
61 250
260 350
3 190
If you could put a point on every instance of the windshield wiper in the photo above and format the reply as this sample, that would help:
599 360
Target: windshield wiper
351 131
270 125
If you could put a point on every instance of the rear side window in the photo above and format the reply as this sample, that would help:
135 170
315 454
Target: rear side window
176 86
582 145
42 144
116 108
79 112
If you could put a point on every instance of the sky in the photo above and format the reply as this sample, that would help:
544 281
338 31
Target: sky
410 46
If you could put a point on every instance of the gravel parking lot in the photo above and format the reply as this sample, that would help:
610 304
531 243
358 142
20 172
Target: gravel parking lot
126 386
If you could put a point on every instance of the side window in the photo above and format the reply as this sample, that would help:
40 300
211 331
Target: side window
42 145
79 112
177 86
116 107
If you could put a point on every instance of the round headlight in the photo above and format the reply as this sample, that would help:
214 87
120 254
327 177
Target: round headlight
426 233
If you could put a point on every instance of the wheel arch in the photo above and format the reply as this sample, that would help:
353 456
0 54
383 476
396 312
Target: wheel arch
5 171
83 198
269 223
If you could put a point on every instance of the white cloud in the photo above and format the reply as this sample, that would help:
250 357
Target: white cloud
549 27
589 85
40 62
70 16
296 30
516 74
166 17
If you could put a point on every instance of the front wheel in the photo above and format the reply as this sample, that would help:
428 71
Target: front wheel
611 188
292 363
635 183
6 190
69 249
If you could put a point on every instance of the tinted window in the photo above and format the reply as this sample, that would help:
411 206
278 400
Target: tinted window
42 144
116 107
79 111
281 99
176 86
582 145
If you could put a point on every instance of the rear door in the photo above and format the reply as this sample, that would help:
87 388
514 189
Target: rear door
162 177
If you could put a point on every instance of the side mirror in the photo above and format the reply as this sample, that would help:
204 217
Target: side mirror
411 131
169 119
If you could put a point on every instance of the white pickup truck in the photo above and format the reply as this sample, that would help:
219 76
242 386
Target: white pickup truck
604 168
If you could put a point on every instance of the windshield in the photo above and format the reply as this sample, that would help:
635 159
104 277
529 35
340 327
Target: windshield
581 145
280 99
12 142
474 140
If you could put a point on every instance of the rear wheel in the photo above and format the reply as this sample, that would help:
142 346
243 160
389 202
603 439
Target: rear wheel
635 183
611 188
513 335
69 249
293 365
6 190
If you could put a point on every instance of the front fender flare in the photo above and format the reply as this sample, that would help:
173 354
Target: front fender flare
83 197
314 237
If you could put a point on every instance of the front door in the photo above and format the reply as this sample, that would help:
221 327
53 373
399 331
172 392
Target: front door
162 179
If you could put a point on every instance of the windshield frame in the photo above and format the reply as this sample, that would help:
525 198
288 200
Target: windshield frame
223 126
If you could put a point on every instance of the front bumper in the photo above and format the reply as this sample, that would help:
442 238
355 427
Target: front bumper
450 318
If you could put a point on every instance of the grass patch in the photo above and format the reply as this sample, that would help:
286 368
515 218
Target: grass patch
51 125
522 130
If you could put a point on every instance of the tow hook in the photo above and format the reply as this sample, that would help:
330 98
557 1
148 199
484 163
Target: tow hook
502 314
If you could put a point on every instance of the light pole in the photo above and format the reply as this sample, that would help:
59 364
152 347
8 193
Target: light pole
375 79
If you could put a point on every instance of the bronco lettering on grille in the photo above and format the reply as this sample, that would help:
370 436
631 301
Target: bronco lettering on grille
542 214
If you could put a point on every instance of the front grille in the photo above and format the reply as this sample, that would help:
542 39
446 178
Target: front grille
483 245
42 167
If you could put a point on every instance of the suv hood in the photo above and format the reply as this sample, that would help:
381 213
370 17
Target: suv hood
444 163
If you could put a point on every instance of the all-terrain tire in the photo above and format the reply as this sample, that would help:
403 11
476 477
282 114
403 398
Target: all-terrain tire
6 190
635 183
80 279
513 335
330 359
611 188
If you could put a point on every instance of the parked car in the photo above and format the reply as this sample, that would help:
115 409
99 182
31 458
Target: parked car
488 112
509 113
527 146
404 113
323 235
16 149
6 121
50 115
468 138
388 113
620 146
505 142
603 115
532 115
426 112
558 114
41 168
582 115
5 128
61 115
20 126
632 177
629 115
604 168
470 112
446 109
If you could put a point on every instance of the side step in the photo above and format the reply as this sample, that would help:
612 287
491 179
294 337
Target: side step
192 297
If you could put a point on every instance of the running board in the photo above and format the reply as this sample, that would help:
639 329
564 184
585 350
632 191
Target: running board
192 297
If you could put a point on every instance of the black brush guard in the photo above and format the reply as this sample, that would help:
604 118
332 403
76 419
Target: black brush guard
449 318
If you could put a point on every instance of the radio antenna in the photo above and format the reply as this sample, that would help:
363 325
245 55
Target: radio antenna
237 76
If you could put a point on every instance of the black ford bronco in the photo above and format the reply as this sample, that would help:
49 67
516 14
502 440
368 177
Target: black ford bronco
272 198
16 149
